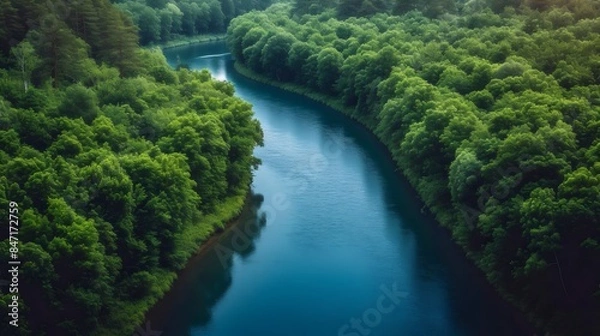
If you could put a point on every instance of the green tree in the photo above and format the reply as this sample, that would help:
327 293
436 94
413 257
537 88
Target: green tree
26 60
119 44
80 102
78 258
299 53
111 216
348 8
149 24
63 54
217 18
228 10
157 4
329 63
463 177
12 26
301 7
275 55
540 229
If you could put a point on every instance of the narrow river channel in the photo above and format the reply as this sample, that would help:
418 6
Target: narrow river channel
343 247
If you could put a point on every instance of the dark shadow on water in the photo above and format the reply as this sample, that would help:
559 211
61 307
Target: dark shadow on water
207 276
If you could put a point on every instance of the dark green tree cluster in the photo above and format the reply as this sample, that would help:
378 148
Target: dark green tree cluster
361 8
120 166
67 36
494 119
435 8
162 20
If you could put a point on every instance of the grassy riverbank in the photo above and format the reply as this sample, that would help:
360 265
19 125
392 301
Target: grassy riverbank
295 88
126 316
187 40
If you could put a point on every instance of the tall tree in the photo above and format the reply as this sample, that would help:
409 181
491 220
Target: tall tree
275 54
119 46
330 62
11 26
63 54
27 60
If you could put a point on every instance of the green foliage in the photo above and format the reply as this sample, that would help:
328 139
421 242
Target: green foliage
313 7
274 56
329 64
26 60
64 54
563 11
120 165
65 35
494 119
79 102
160 21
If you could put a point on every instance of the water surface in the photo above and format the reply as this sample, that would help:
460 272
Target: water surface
345 248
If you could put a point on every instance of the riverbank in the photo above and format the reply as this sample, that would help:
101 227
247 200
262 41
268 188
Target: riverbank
195 240
159 315
187 40
336 104
443 219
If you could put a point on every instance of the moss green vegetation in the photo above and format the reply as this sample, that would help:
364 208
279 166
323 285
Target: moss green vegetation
121 167
127 314
293 87
183 41
163 21
492 111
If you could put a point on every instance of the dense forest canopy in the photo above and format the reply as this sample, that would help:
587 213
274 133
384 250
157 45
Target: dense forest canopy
490 108
120 166
163 20
436 8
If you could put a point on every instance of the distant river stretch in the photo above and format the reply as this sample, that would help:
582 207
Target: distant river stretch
345 248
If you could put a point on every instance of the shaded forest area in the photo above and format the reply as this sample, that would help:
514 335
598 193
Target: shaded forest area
490 108
120 165
164 20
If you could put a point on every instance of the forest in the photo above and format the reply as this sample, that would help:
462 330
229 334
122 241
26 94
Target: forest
119 165
160 21
491 109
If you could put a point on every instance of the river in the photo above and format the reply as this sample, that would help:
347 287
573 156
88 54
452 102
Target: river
343 246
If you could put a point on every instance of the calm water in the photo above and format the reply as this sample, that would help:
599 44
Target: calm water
342 248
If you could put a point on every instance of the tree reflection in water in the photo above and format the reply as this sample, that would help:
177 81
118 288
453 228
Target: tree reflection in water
207 276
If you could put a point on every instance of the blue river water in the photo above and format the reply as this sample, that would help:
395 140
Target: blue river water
338 246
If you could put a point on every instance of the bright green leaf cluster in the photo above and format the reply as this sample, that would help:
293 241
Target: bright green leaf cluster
114 159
